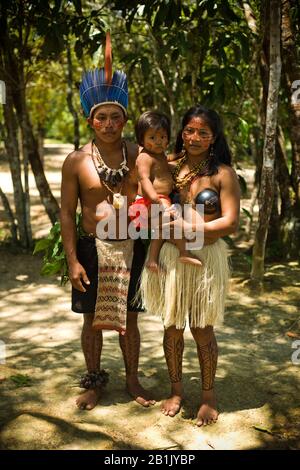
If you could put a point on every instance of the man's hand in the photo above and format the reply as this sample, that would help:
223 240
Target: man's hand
77 274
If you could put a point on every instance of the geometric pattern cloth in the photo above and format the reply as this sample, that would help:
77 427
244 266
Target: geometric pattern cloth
114 264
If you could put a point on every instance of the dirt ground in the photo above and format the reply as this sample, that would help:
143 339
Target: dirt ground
257 383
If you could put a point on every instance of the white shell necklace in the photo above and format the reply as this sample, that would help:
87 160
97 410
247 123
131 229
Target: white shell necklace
111 175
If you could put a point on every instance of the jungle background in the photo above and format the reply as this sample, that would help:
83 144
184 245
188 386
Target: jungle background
240 58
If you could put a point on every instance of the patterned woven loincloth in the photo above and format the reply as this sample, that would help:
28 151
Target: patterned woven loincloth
114 264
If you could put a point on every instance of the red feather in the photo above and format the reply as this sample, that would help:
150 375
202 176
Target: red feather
108 59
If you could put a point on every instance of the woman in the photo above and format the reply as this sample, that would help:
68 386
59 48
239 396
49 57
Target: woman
202 174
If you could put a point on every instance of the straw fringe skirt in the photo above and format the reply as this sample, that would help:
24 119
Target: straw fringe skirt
185 291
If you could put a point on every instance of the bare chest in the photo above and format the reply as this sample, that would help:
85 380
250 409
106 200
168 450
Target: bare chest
93 190
160 170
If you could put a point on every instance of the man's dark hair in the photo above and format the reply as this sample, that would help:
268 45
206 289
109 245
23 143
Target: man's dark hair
154 120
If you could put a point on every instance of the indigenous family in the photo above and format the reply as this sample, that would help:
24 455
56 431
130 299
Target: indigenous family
113 279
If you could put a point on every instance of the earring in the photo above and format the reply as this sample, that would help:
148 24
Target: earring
212 151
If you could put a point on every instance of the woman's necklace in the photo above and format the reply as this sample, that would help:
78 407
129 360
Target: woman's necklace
111 175
181 183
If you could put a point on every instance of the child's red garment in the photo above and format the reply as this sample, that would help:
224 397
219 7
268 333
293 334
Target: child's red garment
139 219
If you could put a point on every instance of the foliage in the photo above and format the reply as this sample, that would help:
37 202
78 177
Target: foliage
54 260
21 380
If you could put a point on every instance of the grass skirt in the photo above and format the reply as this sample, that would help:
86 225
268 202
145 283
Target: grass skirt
185 291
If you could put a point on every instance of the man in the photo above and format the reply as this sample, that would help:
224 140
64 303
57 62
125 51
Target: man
89 174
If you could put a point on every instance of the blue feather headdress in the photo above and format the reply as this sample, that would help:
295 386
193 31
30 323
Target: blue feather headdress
99 86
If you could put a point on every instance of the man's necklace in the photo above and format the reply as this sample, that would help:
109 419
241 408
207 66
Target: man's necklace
187 180
112 176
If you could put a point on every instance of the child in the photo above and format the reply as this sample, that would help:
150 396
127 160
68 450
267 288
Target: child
156 182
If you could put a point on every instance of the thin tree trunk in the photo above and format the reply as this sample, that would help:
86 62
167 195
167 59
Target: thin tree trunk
291 69
168 85
10 216
267 180
14 70
282 175
31 148
12 150
23 152
40 140
70 99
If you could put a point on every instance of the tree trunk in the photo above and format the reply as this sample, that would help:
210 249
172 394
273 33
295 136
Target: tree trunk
162 68
70 99
40 140
267 180
282 175
291 69
31 149
12 150
14 70
10 216
23 151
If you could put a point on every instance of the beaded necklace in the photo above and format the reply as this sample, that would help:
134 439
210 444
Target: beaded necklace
180 183
111 175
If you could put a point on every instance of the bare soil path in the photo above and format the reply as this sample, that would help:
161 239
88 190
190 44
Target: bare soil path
258 385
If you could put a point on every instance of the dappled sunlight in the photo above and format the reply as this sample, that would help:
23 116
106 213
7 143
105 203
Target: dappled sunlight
257 385
43 342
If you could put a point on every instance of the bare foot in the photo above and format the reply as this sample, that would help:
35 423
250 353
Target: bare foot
140 395
190 260
154 267
89 399
207 413
171 406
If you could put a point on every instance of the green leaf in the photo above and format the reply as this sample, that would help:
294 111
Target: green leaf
78 49
235 75
51 268
175 55
265 430
248 259
219 80
77 5
244 129
229 241
227 12
160 15
41 245
56 249
21 380
247 213
145 67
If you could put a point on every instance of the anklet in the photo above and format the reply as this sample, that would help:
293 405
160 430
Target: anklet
94 379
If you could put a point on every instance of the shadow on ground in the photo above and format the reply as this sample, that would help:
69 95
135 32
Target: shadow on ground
257 383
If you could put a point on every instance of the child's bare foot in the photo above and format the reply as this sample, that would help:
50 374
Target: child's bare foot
154 267
189 259
89 399
207 413
171 406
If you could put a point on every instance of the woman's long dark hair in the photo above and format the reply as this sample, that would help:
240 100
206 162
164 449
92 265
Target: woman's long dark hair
222 153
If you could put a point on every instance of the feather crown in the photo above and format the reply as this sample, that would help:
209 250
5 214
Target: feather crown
100 86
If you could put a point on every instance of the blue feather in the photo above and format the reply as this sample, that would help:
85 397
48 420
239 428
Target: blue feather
93 89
